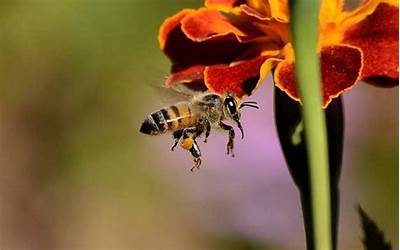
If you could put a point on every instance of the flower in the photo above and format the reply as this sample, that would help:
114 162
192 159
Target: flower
232 45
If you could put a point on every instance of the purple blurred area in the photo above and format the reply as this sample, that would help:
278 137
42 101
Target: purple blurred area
253 195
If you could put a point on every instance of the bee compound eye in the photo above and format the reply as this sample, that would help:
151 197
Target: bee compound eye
231 107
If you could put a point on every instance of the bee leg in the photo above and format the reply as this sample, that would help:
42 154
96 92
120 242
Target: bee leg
193 132
189 143
197 163
207 126
177 136
229 145
195 151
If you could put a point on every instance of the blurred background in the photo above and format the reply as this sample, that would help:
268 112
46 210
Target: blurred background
75 173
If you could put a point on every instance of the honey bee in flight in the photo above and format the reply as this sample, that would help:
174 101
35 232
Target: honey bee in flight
194 117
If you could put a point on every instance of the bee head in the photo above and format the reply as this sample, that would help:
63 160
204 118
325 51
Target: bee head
232 110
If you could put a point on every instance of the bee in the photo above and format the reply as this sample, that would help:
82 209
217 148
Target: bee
187 120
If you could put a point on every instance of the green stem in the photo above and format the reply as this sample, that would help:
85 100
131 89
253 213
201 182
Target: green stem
304 24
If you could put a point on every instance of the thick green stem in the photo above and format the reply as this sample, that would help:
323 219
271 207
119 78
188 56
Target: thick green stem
304 24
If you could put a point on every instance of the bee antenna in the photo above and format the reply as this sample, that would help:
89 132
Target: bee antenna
248 105
252 102
241 129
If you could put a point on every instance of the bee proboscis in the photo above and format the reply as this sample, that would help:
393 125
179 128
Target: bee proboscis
187 120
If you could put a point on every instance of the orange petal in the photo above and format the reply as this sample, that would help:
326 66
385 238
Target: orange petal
184 52
330 10
340 69
266 69
277 9
273 30
189 75
239 78
223 4
261 6
253 13
334 21
206 23
391 2
192 78
169 25
350 18
378 37
285 80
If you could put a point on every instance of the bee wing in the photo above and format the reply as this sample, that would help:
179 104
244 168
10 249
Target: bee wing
174 94
169 95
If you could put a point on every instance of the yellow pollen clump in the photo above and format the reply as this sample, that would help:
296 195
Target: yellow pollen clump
187 143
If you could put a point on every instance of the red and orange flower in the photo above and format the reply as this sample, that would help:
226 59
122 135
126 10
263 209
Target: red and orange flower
232 45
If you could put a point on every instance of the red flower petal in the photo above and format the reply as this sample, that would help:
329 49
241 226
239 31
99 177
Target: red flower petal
378 37
239 78
185 53
285 80
207 23
192 77
340 69
169 25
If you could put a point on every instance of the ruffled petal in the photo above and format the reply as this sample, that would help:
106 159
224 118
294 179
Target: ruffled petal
224 5
185 53
334 21
272 29
284 79
330 10
276 9
378 37
279 10
253 13
266 69
208 23
261 6
274 57
191 75
391 2
240 78
340 69
350 18
169 25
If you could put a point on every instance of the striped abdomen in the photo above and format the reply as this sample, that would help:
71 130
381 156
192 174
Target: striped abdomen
171 118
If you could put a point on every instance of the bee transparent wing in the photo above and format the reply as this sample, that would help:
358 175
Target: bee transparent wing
170 95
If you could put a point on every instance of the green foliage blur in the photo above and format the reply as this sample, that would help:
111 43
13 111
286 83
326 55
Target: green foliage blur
73 84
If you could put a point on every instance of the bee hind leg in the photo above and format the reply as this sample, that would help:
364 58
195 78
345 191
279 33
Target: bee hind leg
189 143
177 136
197 163
195 151
229 145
